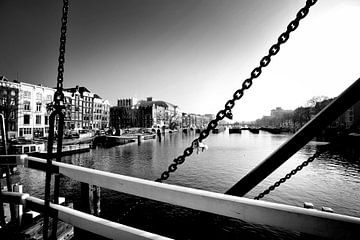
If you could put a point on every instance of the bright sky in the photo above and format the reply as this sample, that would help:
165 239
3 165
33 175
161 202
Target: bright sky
194 54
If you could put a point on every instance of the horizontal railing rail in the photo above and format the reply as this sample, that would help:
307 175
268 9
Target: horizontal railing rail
82 220
292 218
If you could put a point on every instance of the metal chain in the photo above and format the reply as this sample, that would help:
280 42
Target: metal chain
59 95
57 107
238 94
290 174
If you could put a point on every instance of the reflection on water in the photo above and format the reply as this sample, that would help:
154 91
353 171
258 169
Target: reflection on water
332 180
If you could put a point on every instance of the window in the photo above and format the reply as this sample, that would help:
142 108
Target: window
38 119
27 130
46 129
26 120
26 149
49 97
38 96
46 120
38 107
27 94
32 148
21 132
3 101
26 105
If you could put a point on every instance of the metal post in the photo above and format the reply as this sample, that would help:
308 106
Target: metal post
57 176
2 215
348 98
48 173
7 168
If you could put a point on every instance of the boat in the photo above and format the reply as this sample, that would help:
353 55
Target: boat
272 130
234 130
254 130
24 146
66 150
218 129
148 136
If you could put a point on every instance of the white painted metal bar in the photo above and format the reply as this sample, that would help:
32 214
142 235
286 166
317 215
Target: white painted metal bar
309 221
91 223
254 211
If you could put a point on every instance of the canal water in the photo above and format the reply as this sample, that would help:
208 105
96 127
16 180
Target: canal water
332 180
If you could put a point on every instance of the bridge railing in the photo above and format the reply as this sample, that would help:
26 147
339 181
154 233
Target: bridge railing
292 218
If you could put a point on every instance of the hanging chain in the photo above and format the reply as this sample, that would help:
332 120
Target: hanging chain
59 95
57 107
238 94
290 174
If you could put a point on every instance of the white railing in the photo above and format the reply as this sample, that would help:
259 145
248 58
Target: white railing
83 220
309 221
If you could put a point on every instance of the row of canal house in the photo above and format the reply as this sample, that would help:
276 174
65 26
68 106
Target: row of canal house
149 113
25 107
85 110
349 120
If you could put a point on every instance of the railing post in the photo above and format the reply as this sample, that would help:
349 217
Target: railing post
94 200
19 208
7 168
344 101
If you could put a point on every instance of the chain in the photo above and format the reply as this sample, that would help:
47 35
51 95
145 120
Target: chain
57 106
59 95
290 174
238 94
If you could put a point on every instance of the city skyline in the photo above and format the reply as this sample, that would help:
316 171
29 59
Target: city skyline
191 53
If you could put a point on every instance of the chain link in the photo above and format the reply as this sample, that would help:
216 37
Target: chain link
290 174
226 112
59 95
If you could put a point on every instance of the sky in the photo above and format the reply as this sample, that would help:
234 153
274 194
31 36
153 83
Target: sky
192 53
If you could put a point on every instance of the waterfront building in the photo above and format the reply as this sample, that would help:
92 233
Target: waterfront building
279 112
127 102
144 113
101 113
196 120
201 120
159 113
33 117
25 108
85 110
81 106
9 97
123 117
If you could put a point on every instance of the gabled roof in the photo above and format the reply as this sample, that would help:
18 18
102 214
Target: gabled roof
97 96
80 89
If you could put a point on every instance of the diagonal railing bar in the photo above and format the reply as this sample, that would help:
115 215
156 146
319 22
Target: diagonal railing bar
344 101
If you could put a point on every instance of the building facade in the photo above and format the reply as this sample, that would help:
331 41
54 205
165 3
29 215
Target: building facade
9 97
101 113
26 109
144 113
80 104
